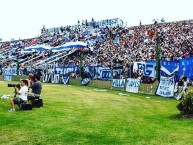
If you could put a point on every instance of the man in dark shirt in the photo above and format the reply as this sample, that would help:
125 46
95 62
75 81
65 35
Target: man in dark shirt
36 86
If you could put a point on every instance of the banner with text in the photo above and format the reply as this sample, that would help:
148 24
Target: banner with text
148 68
166 87
118 83
103 73
132 85
8 73
186 68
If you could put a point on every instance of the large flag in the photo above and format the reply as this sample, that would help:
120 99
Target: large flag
69 45
169 67
186 68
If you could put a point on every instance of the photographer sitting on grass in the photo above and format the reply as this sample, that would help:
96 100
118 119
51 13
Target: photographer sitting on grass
22 92
36 88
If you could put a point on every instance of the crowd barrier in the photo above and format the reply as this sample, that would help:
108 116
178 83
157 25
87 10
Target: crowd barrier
144 88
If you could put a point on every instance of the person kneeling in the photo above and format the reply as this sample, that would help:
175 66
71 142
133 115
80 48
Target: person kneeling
22 92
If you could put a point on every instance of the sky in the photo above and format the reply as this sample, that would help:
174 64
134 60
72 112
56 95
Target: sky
25 18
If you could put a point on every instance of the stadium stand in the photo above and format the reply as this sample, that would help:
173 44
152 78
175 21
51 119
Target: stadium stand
106 39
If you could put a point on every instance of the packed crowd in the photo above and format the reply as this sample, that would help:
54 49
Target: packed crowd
117 43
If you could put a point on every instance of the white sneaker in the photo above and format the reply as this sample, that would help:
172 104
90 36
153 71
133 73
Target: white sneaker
11 110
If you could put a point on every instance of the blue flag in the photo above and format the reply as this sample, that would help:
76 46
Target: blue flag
169 67
186 68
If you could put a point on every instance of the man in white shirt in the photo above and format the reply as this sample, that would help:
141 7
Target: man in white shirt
22 95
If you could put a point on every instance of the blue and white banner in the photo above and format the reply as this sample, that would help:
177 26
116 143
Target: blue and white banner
117 71
68 69
169 67
166 87
103 73
57 71
106 74
186 68
63 70
109 22
68 46
47 78
132 85
85 81
8 73
118 83
7 77
65 79
148 68
55 78
36 48
101 24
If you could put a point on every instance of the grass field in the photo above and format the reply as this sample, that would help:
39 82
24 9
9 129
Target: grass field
81 115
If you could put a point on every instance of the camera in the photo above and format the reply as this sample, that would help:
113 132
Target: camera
14 85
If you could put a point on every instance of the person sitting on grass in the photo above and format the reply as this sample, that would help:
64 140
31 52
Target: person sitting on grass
22 92
30 79
36 88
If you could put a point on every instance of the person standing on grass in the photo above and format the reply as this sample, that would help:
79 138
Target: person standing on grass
22 95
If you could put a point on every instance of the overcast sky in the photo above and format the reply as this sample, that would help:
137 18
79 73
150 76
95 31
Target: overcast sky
24 18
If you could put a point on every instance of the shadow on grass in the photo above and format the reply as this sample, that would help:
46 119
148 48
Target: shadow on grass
181 117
